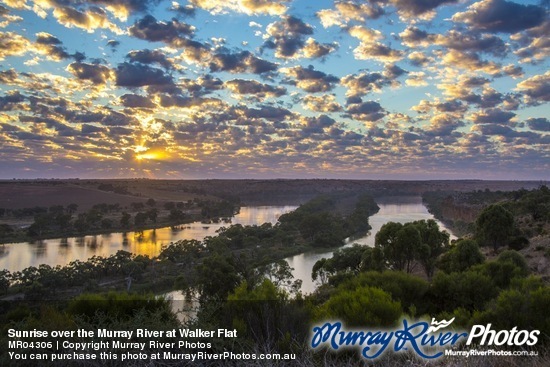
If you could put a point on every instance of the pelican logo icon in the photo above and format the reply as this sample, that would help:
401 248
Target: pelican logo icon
439 325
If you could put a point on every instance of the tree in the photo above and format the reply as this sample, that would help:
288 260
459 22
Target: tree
40 225
152 214
106 223
125 220
470 289
509 265
494 226
217 277
5 278
400 245
524 306
433 243
280 274
140 219
81 224
71 208
347 259
176 215
463 255
364 306
410 290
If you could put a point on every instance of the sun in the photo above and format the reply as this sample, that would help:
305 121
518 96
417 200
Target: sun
147 156
143 153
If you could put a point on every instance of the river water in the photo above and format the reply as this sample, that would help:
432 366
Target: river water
17 256
392 209
61 251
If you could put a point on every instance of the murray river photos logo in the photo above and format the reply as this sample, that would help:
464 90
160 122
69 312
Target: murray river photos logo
427 340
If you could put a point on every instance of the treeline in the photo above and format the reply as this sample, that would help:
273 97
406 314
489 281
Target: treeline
466 286
46 282
460 210
319 225
60 221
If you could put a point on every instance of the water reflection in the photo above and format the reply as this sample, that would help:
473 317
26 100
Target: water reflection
18 256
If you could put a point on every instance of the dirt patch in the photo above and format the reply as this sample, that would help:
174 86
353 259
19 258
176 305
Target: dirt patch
17 196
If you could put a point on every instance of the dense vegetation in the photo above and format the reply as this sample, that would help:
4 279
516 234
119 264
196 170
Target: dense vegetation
460 210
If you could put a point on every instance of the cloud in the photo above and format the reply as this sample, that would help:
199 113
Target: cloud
172 32
113 44
538 124
202 85
97 74
314 50
309 79
347 11
323 103
494 129
6 18
419 59
114 118
465 41
91 14
417 79
534 44
240 62
138 75
536 88
12 44
188 102
444 125
414 37
450 106
364 34
88 129
370 49
493 116
268 112
464 86
250 7
11 101
186 11
16 4
501 16
123 8
316 125
411 9
50 46
89 20
150 57
136 101
259 90
473 42
288 38
471 62
366 111
364 83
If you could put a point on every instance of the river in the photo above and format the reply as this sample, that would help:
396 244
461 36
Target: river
392 209
61 251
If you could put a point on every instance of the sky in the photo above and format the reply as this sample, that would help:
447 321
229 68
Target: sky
372 89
